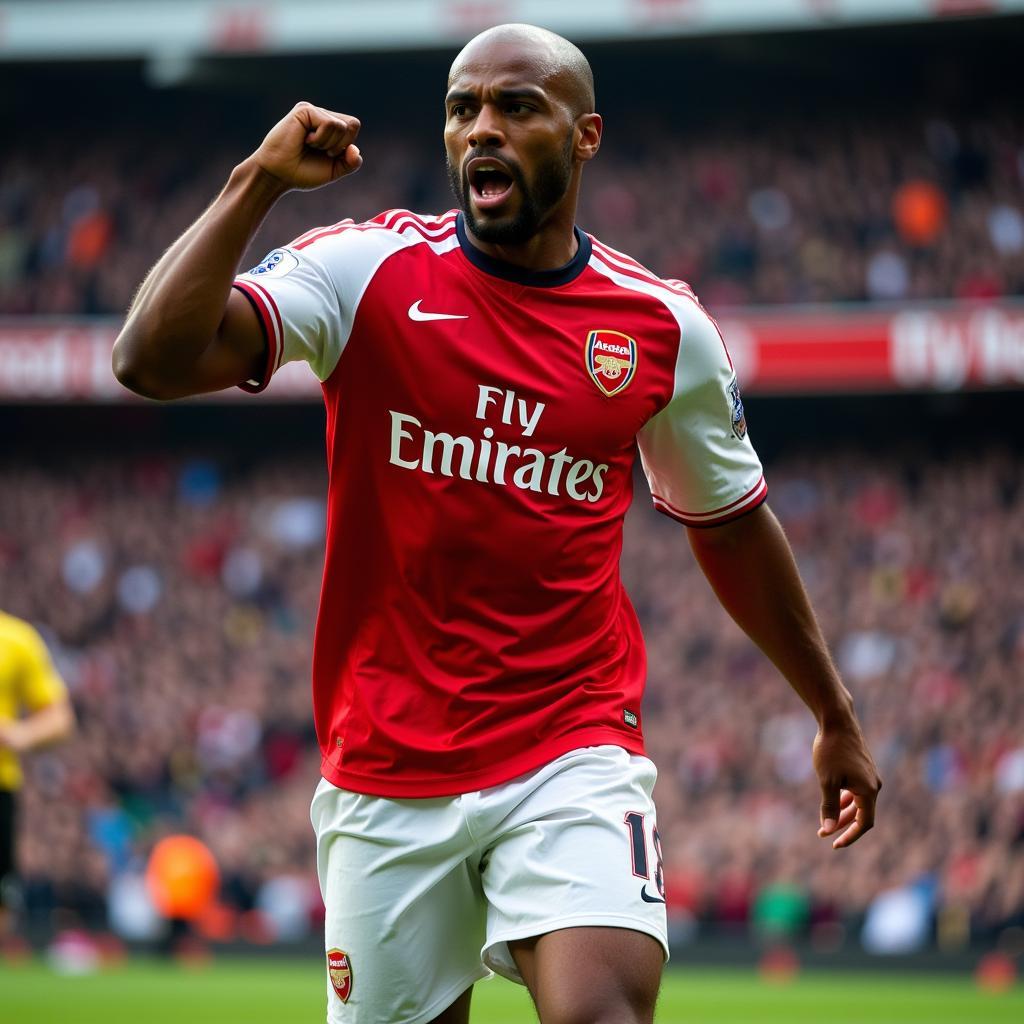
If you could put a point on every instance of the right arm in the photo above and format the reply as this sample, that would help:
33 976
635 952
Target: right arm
188 331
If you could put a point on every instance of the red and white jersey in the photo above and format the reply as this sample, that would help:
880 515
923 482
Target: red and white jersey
482 423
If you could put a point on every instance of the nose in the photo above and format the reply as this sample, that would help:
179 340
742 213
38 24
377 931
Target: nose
487 128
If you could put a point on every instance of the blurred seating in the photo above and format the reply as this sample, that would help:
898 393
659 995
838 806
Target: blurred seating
179 597
856 207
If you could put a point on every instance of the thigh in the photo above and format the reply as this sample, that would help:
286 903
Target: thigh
458 1012
404 908
591 975
577 850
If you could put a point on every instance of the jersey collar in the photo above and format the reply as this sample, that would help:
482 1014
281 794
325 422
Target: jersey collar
521 275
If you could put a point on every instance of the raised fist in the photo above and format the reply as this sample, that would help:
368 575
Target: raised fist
310 147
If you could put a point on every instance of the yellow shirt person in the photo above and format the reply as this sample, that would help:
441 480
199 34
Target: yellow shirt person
34 711
34 708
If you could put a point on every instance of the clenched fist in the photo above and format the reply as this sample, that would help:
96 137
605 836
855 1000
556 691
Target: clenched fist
310 147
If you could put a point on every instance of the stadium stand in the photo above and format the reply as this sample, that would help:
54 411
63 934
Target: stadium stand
176 579
179 593
906 206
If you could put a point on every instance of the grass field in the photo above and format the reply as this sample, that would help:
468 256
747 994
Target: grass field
291 992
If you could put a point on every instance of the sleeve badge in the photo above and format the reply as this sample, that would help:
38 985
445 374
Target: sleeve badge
739 419
277 262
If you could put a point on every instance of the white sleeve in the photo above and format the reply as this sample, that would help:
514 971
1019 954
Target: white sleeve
306 294
696 452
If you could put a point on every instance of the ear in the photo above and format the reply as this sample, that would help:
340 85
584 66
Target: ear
588 136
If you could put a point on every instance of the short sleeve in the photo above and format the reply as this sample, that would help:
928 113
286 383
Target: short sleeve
306 294
696 452
40 684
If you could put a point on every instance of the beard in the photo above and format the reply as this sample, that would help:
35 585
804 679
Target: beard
550 184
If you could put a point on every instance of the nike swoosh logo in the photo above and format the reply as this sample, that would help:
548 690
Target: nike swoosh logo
415 313
648 899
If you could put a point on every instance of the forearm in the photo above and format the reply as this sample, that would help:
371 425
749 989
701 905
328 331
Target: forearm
751 568
181 303
41 728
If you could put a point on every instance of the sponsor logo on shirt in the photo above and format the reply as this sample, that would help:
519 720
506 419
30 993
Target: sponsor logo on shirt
739 420
278 262
610 358
629 717
490 460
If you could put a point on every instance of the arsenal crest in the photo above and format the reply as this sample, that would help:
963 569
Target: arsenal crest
339 967
610 358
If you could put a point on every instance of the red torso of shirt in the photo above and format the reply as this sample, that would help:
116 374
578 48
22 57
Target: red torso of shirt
472 630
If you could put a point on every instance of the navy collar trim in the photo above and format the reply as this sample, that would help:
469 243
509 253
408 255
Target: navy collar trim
521 275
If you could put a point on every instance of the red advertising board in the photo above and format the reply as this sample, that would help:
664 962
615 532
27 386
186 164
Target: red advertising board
935 348
792 351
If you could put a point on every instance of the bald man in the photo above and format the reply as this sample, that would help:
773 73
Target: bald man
489 375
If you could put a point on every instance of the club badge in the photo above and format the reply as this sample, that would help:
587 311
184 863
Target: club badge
339 967
610 359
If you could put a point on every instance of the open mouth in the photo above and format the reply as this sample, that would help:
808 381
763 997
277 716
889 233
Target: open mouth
490 183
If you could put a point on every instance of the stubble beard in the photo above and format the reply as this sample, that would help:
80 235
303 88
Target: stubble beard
551 182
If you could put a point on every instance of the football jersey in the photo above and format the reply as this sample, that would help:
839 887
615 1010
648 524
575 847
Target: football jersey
482 426
28 683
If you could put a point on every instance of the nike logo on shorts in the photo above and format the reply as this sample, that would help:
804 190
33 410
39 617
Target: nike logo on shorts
415 313
648 898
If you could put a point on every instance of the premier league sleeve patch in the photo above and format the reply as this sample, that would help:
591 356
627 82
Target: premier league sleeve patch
339 967
610 359
278 262
739 419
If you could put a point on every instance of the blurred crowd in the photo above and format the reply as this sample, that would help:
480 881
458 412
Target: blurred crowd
860 206
178 596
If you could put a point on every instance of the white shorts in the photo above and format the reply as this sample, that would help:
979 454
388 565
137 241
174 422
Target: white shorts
423 896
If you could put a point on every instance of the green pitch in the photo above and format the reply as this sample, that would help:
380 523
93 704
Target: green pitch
292 992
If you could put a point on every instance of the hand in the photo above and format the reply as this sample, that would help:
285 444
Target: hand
849 783
310 147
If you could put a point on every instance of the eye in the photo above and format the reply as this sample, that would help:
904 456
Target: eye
519 108
458 110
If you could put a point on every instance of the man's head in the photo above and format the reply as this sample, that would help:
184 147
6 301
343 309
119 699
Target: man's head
519 125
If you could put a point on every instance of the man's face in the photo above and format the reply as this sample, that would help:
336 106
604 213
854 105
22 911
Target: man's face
509 143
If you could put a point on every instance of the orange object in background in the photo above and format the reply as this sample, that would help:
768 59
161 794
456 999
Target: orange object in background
919 209
779 965
182 877
89 239
996 972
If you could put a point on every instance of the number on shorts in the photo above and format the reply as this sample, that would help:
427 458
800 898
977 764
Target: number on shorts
638 850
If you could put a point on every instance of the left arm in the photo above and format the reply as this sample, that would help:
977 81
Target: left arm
751 569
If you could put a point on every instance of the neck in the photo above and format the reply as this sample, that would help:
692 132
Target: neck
551 247
529 274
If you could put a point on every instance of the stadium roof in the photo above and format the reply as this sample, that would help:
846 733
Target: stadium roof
182 29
